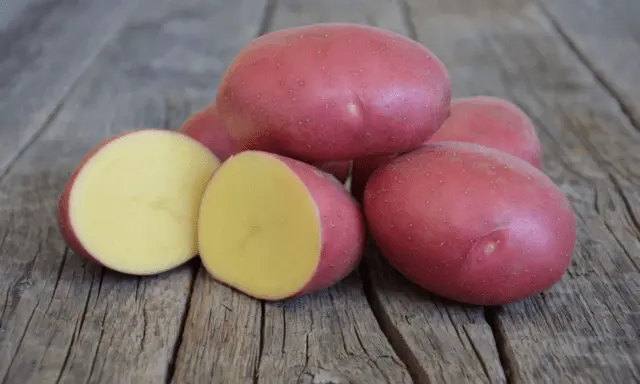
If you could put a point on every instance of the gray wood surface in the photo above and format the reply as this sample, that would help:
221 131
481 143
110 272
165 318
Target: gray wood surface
606 36
77 72
439 340
45 46
585 329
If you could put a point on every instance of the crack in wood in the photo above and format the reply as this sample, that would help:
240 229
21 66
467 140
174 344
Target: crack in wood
405 11
267 18
256 373
20 340
388 329
506 360
171 365
604 83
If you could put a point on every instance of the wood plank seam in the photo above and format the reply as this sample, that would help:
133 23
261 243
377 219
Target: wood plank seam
613 185
256 370
405 10
171 367
50 117
392 334
499 336
593 152
635 220
606 85
267 18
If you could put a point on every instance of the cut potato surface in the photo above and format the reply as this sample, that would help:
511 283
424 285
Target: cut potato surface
133 203
259 230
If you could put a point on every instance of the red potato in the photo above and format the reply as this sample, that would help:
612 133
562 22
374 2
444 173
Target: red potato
339 169
494 123
131 204
273 227
333 91
205 127
362 170
489 121
470 223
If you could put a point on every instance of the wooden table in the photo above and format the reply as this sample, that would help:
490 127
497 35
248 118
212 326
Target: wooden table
75 72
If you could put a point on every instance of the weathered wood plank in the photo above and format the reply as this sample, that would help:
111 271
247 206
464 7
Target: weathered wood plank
330 336
61 318
46 46
586 328
381 13
221 337
606 35
441 341
11 9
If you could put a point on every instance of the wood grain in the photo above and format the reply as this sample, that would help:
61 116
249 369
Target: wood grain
328 337
63 319
440 340
221 337
606 36
46 46
586 328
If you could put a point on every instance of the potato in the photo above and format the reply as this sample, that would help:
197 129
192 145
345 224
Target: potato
205 127
273 227
470 223
339 169
131 204
363 168
494 123
490 121
333 91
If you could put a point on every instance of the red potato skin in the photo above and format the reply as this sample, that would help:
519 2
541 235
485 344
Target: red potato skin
470 223
333 91
363 169
339 169
494 123
489 121
342 226
205 127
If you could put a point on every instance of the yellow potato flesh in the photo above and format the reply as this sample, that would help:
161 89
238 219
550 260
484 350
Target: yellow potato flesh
134 204
259 229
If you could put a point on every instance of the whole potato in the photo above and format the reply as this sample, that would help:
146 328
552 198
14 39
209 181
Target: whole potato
470 223
492 122
204 126
486 120
333 91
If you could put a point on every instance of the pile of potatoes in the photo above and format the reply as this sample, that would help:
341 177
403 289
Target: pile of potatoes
450 190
